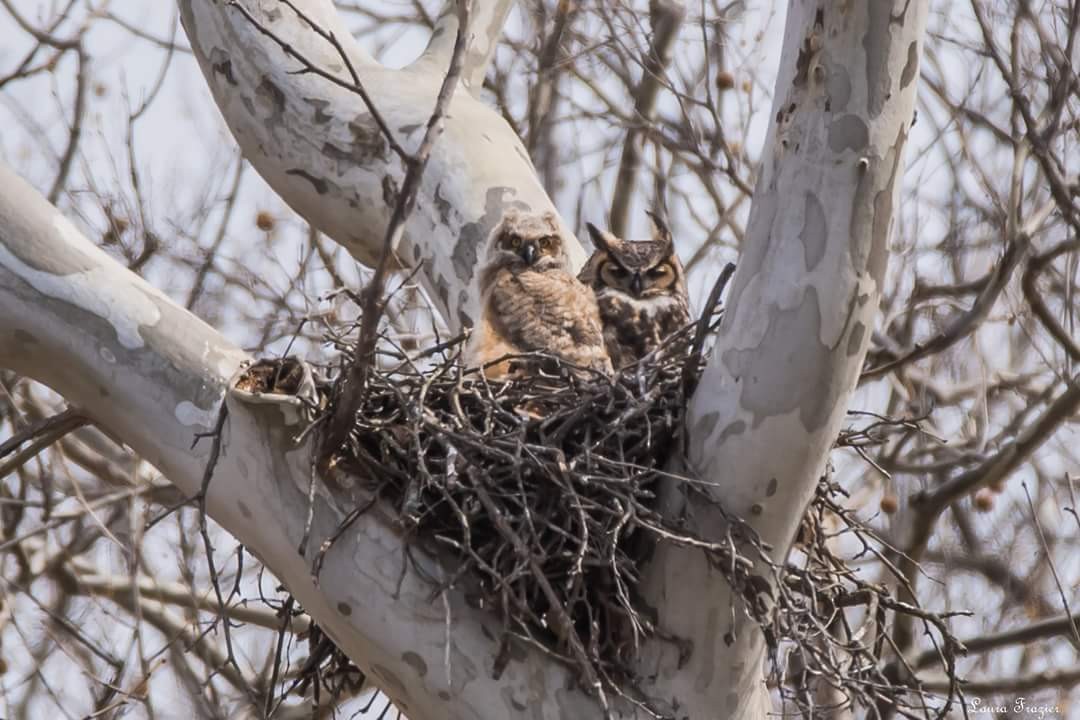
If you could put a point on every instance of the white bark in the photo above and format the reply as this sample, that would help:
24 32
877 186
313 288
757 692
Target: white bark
318 146
797 322
152 374
763 419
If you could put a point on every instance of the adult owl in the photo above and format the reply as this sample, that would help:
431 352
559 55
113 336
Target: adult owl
640 287
531 301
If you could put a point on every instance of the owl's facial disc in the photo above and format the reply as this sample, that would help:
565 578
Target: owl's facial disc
639 282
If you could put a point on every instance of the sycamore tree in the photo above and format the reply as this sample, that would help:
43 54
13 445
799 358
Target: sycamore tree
160 511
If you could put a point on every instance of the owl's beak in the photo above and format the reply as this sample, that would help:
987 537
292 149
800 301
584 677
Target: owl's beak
635 284
528 252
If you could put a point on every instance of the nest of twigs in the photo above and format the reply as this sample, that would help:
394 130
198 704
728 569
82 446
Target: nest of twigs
541 496
540 492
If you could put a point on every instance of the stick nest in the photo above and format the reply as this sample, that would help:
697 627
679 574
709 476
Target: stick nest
542 496
542 491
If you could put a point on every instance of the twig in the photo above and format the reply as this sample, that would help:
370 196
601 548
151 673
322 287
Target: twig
353 383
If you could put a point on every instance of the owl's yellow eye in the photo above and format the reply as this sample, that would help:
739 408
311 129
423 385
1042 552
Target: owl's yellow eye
515 241
545 243
659 271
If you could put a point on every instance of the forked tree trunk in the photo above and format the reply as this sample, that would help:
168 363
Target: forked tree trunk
773 396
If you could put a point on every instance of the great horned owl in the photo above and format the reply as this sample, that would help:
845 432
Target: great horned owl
531 301
640 287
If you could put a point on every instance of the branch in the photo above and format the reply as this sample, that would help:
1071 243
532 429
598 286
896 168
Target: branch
928 505
485 23
40 435
666 17
1063 625
150 373
796 324
373 296
1062 679
308 133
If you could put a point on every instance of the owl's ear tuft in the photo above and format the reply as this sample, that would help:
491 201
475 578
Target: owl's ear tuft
601 239
661 232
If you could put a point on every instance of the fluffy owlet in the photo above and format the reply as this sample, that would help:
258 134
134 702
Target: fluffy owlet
641 290
531 301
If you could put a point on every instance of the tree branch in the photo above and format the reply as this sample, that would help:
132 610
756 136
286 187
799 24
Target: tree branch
74 319
666 17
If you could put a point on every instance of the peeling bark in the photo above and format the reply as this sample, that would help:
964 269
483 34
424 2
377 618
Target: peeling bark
770 404
795 328
149 372
318 147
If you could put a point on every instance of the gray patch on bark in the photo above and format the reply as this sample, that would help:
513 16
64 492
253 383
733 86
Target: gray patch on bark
862 215
474 234
344 609
221 64
442 290
855 338
807 51
415 662
248 105
911 66
319 184
442 206
244 510
736 428
771 489
706 425
876 44
321 116
389 191
24 338
367 144
814 231
848 132
883 211
838 88
273 98
796 363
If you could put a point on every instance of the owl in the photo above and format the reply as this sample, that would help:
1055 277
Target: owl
531 301
641 290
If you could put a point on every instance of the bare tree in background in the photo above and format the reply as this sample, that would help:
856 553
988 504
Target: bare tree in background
110 602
